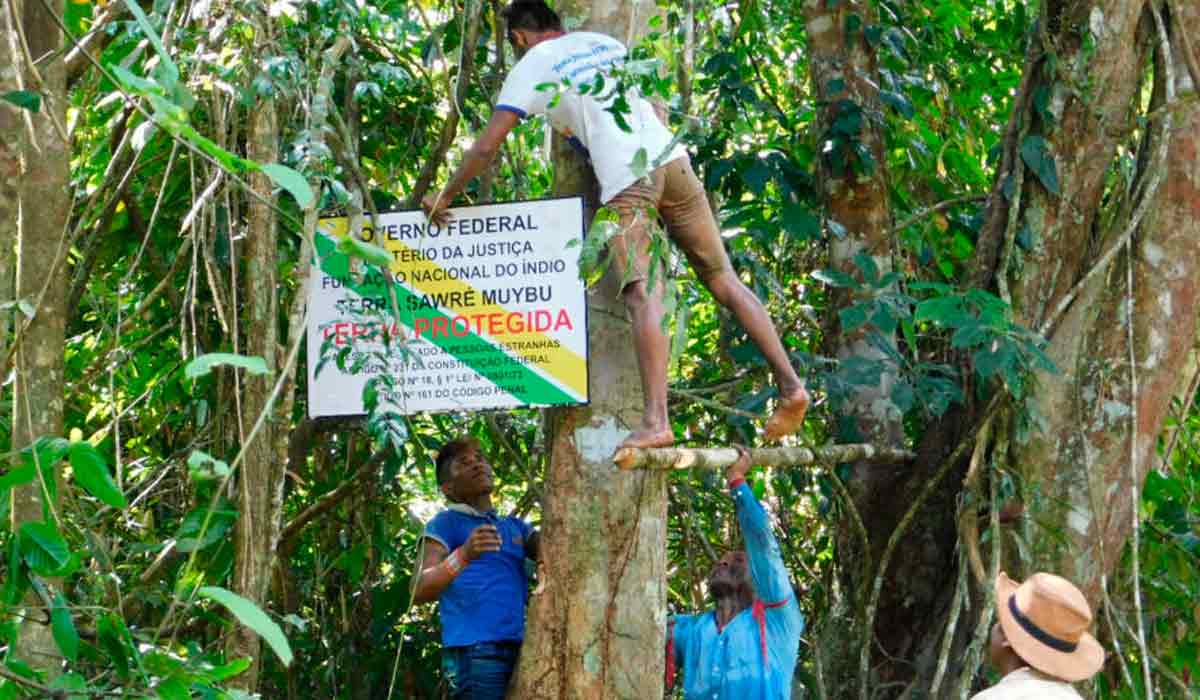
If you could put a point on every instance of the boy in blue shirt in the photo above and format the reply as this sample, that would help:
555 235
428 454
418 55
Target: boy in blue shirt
474 566
746 647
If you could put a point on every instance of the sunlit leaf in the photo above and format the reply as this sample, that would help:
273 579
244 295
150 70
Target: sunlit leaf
252 617
205 364
291 181
91 472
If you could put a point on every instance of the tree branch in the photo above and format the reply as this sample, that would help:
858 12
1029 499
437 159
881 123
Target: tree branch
328 502
466 66
721 457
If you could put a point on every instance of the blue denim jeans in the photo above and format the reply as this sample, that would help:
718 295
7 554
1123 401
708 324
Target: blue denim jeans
480 671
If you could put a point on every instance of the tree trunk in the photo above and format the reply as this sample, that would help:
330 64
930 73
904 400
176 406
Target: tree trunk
1104 415
43 205
1069 442
596 623
854 188
1079 473
261 472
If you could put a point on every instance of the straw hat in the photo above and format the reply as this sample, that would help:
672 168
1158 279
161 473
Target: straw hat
1045 620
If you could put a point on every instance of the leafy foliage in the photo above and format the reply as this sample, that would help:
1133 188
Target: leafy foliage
143 526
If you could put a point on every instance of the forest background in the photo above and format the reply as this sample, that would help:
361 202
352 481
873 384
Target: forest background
975 224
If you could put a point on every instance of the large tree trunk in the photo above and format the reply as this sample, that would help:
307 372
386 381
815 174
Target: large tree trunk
43 205
1078 471
595 625
261 472
854 190
1123 343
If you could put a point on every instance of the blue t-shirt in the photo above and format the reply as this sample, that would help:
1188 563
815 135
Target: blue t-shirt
486 602
754 657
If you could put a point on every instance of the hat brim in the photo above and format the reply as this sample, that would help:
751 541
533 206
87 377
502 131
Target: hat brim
1072 667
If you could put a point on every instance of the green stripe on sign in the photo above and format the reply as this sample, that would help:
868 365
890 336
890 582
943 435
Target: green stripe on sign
533 388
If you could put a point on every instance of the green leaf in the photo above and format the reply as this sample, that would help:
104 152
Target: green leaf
72 681
23 474
944 310
1036 153
43 548
91 472
229 670
640 164
173 689
853 317
204 466
290 180
63 629
801 223
835 278
25 99
144 23
349 245
898 102
253 617
204 364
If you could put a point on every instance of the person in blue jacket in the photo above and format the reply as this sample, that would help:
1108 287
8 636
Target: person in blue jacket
745 648
474 566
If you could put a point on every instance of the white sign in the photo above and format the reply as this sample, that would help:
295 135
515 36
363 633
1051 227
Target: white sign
485 312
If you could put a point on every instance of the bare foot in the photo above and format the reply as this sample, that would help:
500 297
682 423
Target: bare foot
788 416
649 437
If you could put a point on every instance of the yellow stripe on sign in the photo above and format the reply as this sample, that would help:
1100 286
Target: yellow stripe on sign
561 364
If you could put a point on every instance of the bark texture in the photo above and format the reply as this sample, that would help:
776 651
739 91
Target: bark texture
596 620
1087 465
854 189
261 473
1082 444
43 204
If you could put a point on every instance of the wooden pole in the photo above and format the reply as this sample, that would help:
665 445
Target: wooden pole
721 457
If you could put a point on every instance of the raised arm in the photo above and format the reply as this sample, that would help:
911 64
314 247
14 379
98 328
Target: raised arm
762 550
475 161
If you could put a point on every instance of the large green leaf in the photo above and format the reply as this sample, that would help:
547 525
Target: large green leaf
91 472
63 628
290 180
253 617
204 364
43 548
172 689
25 99
72 681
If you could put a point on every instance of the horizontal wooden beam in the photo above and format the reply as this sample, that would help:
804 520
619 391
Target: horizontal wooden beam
721 457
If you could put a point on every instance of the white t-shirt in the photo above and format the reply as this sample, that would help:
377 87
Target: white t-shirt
582 119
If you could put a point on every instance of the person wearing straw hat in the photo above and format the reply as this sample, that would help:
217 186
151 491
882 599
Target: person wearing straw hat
1041 643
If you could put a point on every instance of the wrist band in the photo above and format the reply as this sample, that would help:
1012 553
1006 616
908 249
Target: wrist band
733 484
454 563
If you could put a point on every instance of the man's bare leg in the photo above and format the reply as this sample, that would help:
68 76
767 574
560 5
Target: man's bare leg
653 354
731 293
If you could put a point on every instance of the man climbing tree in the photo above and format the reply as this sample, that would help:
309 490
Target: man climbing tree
474 565
552 56
725 653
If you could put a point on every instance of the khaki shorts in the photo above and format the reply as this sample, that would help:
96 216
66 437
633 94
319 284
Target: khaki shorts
675 191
